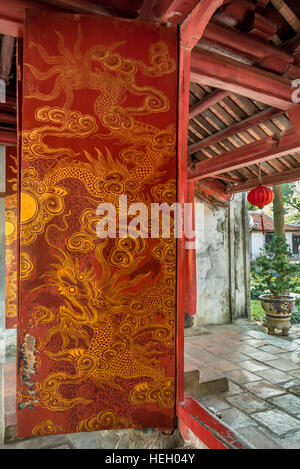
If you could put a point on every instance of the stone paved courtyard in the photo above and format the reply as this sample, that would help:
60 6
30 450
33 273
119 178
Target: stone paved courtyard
263 401
262 404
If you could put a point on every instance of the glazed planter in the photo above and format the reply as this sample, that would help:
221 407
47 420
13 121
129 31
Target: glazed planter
278 312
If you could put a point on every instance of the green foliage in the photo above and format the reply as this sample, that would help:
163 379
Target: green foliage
273 272
257 312
295 318
291 199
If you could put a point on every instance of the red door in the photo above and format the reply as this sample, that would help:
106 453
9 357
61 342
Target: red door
96 315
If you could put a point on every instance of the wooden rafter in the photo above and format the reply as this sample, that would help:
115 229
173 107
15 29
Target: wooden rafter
273 180
208 101
254 153
234 129
221 72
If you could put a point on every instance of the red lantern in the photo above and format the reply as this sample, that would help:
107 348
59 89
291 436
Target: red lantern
259 197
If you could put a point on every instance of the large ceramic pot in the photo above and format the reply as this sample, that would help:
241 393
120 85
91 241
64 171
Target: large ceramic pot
278 312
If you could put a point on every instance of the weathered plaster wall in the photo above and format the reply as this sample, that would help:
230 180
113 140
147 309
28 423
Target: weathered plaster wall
258 242
211 223
222 262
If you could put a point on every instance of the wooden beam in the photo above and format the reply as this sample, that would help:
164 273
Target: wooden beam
213 98
244 43
254 153
220 72
8 118
234 129
194 25
12 11
8 137
273 180
172 10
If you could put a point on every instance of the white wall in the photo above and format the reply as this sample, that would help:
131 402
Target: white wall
258 242
222 276
211 226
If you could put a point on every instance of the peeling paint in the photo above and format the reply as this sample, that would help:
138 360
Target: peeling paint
27 356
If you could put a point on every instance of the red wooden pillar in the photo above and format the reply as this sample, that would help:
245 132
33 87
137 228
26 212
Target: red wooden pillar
191 31
190 255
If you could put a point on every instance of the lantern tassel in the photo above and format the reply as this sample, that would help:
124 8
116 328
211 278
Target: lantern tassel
262 224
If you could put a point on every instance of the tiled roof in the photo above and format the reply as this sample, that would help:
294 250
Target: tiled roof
269 223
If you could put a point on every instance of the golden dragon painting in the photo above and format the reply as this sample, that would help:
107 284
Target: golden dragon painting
111 328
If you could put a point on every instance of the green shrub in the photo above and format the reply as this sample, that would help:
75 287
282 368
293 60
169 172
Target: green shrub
257 312
273 271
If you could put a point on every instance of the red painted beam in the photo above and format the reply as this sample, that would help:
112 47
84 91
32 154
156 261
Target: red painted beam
221 72
234 129
244 43
174 11
210 430
197 21
273 180
8 137
213 98
8 118
12 11
254 153
12 16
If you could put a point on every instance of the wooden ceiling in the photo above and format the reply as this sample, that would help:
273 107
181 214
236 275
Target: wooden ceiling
235 121
242 122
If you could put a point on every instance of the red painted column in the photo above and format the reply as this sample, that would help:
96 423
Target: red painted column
190 256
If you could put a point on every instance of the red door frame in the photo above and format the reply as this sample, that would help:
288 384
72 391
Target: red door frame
190 414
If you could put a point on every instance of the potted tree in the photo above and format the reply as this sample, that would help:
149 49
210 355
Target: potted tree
276 273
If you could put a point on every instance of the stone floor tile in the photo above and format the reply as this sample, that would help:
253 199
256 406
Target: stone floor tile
288 402
295 373
235 419
39 442
10 419
261 356
258 438
188 366
248 403
209 374
62 447
264 389
284 365
272 349
242 376
233 390
284 344
91 440
253 365
290 384
292 441
206 357
287 355
274 376
214 401
218 350
244 348
295 390
238 336
10 403
258 335
224 365
199 341
236 357
276 421
254 342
